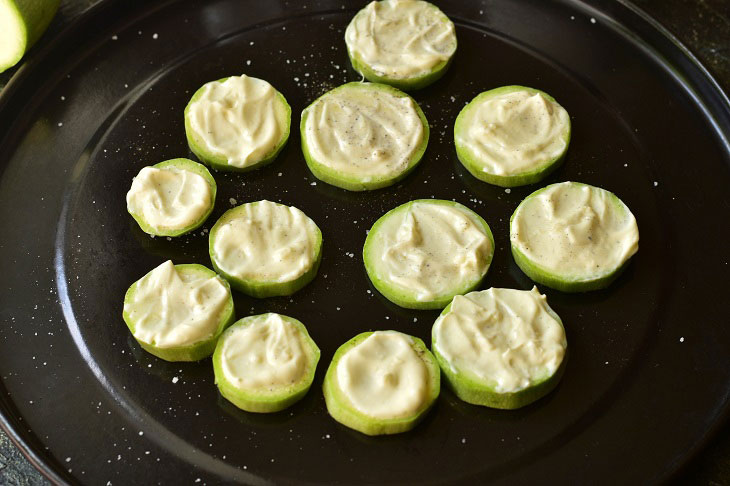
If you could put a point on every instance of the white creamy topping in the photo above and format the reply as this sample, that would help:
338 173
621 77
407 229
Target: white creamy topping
401 38
430 249
266 241
363 131
514 132
575 230
169 198
172 308
383 376
241 119
267 353
505 337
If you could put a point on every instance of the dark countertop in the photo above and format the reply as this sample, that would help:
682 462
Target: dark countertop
702 25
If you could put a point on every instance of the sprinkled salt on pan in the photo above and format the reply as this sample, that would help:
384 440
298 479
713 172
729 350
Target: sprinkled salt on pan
232 201
593 21
508 190
175 379
681 340
114 37
155 36
656 183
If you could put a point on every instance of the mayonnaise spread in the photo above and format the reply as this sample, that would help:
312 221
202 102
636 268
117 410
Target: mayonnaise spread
383 376
513 132
173 308
267 353
241 119
575 230
430 249
169 198
401 38
363 131
507 338
265 241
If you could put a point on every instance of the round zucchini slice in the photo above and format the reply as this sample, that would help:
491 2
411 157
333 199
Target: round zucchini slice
500 348
237 123
573 237
406 44
265 363
265 249
422 253
512 136
363 136
22 22
177 312
381 382
172 198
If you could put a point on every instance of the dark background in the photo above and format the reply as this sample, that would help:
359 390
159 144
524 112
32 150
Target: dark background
702 25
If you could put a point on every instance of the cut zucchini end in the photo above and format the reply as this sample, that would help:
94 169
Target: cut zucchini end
195 351
404 297
190 166
270 402
352 183
258 288
340 408
219 162
471 162
21 24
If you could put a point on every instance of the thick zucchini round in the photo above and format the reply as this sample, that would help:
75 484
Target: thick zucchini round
509 150
276 115
386 39
251 353
425 284
363 172
581 242
141 310
495 361
205 204
274 232
384 376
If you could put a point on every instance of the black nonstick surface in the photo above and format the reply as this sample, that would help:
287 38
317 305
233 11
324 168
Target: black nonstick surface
648 376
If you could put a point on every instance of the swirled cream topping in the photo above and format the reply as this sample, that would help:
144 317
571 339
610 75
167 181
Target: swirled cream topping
169 198
363 131
575 230
241 119
266 353
172 307
507 338
265 241
401 38
430 249
383 376
513 132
